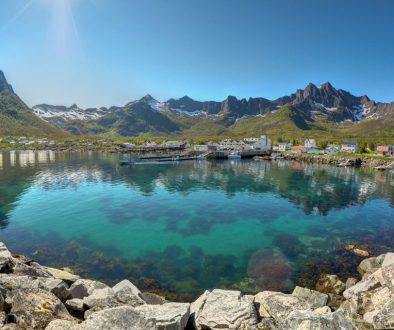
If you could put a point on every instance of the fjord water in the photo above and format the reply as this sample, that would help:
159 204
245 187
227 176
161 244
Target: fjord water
189 225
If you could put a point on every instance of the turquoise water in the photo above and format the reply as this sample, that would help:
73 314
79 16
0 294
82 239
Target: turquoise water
189 226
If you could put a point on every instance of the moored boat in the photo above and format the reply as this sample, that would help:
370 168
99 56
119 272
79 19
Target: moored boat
234 155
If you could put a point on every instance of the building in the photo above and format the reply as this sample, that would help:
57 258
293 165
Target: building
284 146
314 151
298 149
385 150
200 147
349 147
310 144
263 144
331 150
174 144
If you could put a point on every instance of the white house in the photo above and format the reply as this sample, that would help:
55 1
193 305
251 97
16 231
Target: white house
349 147
310 144
174 144
200 147
284 146
263 143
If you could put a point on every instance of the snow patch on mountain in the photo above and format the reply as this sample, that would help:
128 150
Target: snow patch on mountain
51 113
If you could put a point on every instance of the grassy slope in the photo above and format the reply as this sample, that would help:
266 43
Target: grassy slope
16 119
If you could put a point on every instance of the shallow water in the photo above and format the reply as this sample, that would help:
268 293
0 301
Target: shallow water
191 225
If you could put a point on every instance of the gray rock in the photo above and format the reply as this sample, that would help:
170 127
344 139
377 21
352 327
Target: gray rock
196 307
315 299
307 320
279 305
83 288
118 318
62 275
335 301
62 325
127 293
36 308
330 284
152 298
6 261
58 287
15 282
388 259
267 324
224 309
381 314
370 284
101 297
2 303
126 284
388 276
322 310
75 304
369 265
350 282
3 318
170 316
10 326
22 269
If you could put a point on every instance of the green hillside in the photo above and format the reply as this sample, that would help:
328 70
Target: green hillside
16 118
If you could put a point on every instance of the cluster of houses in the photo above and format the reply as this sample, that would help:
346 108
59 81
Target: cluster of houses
28 142
310 147
263 143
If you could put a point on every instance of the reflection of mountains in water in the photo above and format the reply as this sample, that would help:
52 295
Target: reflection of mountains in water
316 188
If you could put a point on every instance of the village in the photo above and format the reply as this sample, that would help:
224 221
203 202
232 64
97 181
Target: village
248 146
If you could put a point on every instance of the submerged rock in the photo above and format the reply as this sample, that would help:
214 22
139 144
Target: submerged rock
222 309
330 284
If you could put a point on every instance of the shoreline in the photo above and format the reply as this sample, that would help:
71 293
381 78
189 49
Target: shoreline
33 296
364 160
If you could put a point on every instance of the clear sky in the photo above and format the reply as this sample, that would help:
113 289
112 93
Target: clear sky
108 52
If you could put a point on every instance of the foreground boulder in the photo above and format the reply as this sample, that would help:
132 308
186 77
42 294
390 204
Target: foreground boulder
222 309
36 308
118 318
168 316
304 320
315 299
82 288
278 305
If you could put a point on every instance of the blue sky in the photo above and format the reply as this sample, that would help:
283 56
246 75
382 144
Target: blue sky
108 52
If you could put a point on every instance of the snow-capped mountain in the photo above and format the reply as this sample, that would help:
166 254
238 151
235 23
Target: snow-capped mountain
312 105
60 114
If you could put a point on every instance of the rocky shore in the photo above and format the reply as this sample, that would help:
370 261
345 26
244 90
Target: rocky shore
332 160
37 297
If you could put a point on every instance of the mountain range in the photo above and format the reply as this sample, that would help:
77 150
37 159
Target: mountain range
322 110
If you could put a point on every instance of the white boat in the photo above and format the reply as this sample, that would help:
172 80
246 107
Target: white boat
201 157
234 155
344 164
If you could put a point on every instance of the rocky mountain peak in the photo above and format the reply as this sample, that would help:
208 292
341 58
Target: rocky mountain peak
148 98
4 85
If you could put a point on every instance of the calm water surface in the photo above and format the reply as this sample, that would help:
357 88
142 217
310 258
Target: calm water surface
192 225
